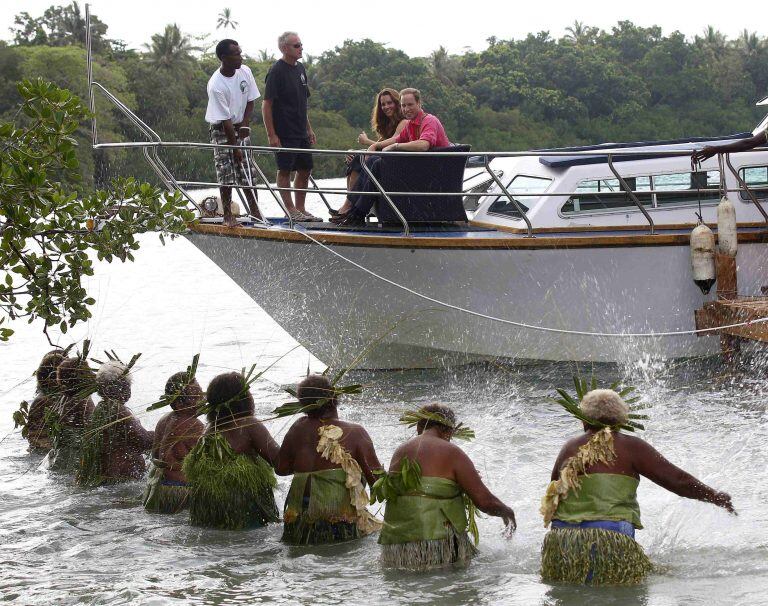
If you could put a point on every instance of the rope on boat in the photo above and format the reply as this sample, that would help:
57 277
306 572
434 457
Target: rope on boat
549 329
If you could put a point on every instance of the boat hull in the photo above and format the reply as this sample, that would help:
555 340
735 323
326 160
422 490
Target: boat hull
336 310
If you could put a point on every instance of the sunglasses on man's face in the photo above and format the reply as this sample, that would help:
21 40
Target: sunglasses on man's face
299 45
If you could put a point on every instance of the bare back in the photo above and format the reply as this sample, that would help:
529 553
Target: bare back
124 444
439 458
180 433
635 458
247 435
74 412
298 453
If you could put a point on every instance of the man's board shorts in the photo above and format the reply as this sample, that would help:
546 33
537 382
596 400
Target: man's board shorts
619 526
228 172
294 160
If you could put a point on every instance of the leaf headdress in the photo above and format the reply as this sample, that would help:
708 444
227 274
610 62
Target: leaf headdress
411 418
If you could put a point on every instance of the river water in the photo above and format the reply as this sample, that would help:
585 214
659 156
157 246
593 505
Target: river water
65 545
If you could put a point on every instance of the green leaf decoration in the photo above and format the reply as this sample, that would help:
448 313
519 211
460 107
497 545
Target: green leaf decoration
393 484
571 403
167 400
411 418
21 418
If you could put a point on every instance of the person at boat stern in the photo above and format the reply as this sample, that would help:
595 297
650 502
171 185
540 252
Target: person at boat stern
330 460
432 492
231 93
286 119
176 434
706 152
591 502
421 133
229 471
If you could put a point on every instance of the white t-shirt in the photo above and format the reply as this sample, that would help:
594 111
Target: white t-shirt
227 97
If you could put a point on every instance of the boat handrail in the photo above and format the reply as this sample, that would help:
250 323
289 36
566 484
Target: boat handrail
625 186
743 186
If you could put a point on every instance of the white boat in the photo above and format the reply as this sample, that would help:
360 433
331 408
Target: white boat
562 260
588 268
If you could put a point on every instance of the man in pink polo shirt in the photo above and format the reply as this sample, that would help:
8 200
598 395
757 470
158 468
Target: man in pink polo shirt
423 132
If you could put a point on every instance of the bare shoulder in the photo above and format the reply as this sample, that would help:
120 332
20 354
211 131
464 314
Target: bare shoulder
632 443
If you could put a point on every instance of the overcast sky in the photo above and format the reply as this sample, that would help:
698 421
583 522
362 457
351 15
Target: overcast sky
456 25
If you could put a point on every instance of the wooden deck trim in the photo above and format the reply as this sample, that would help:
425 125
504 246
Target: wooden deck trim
727 312
466 242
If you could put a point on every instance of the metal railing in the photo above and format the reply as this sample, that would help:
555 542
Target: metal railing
150 150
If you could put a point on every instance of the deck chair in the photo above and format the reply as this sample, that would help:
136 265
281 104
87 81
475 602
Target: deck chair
423 174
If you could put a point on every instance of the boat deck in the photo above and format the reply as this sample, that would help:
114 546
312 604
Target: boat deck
472 235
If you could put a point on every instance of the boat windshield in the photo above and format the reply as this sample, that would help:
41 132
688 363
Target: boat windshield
524 189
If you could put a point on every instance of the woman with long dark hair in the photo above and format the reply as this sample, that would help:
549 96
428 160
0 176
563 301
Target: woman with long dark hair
386 122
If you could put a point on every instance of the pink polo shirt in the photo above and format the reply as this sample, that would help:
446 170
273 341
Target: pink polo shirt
427 128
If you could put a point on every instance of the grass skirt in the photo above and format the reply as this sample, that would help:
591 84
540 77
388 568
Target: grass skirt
233 493
456 548
592 556
318 532
67 447
318 509
164 498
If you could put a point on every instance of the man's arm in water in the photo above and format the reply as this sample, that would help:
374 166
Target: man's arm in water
285 456
365 455
263 442
650 463
471 483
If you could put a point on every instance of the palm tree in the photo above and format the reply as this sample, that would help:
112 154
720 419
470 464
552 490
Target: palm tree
225 20
171 49
748 43
713 40
579 33
265 55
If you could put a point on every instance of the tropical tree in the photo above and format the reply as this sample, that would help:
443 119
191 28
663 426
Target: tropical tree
58 26
580 33
443 66
48 230
265 55
170 50
225 20
748 43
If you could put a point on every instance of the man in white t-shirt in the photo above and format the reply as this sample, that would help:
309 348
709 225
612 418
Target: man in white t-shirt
231 93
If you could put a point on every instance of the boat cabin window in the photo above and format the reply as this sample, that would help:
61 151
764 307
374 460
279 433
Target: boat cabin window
685 188
756 178
655 191
524 189
606 194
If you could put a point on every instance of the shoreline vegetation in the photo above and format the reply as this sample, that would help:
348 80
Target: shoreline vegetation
589 86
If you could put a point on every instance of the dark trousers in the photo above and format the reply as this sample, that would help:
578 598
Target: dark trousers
362 205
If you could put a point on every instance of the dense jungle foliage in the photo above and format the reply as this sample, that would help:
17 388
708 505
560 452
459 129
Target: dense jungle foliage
589 86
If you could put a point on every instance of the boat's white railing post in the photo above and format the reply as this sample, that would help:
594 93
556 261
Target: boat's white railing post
375 181
272 191
319 192
743 185
89 68
510 197
625 186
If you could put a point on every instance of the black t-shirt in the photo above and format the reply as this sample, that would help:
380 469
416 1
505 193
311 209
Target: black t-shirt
288 90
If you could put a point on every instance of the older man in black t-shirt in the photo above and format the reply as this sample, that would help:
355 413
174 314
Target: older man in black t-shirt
285 116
